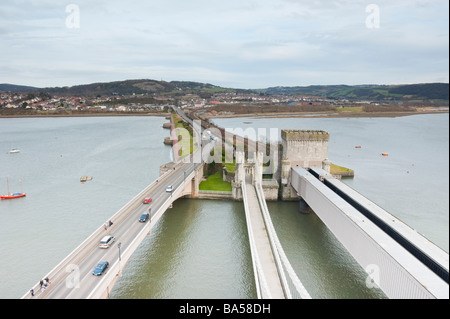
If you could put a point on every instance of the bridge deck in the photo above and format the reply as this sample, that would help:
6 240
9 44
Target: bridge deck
394 269
431 255
263 247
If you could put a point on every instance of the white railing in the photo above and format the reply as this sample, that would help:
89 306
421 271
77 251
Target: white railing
292 285
261 285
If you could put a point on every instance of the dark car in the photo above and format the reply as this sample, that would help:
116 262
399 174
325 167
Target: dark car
144 217
100 268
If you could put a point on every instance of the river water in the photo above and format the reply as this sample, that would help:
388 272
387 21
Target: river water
200 249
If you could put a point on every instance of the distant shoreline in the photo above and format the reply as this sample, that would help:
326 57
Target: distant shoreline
92 114
250 115
327 115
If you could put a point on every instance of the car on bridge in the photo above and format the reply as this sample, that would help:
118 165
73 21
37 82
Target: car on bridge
106 241
100 268
144 217
169 189
147 200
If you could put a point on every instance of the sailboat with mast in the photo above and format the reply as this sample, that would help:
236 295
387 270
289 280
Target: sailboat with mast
13 195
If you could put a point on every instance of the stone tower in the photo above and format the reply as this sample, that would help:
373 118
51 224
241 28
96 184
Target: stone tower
301 148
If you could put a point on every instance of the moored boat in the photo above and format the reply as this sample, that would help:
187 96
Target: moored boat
85 178
12 196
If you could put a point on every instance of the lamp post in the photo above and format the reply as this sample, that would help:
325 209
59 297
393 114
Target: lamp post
120 270
118 246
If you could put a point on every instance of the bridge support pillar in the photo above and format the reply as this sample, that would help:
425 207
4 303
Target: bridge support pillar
304 207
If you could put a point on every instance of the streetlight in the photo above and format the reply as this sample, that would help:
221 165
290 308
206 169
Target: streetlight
118 246
150 214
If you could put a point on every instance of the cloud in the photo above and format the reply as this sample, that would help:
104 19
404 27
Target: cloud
235 43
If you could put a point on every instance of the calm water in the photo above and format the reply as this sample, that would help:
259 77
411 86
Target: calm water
199 249
122 154
411 183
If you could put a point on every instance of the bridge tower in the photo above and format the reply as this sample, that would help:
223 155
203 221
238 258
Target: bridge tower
305 149
251 171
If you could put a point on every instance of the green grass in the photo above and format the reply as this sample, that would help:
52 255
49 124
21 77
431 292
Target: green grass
186 145
337 170
231 167
215 183
355 109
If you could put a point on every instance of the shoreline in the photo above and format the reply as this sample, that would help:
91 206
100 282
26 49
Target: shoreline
249 115
93 114
325 115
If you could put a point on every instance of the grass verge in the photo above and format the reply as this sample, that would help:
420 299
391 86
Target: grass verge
215 183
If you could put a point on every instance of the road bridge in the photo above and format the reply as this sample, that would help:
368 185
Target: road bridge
73 278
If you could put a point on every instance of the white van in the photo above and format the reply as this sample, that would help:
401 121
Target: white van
106 242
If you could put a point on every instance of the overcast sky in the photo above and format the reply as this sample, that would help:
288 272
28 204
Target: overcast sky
230 43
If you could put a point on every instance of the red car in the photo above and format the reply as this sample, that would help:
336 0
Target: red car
147 200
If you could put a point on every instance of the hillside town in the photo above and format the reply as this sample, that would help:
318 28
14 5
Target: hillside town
41 102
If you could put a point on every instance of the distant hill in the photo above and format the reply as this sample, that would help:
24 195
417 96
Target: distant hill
431 91
144 86
412 92
4 87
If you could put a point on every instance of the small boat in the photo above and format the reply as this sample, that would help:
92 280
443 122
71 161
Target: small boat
85 178
385 154
12 196
358 146
13 151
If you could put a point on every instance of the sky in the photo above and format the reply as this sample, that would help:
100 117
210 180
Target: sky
245 44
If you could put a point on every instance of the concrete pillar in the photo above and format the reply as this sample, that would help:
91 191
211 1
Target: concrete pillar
326 165
304 207
239 175
285 171
258 171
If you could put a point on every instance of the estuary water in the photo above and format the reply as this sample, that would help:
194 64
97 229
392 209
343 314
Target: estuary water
199 249
412 183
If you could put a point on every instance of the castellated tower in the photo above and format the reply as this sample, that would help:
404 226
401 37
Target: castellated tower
302 148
